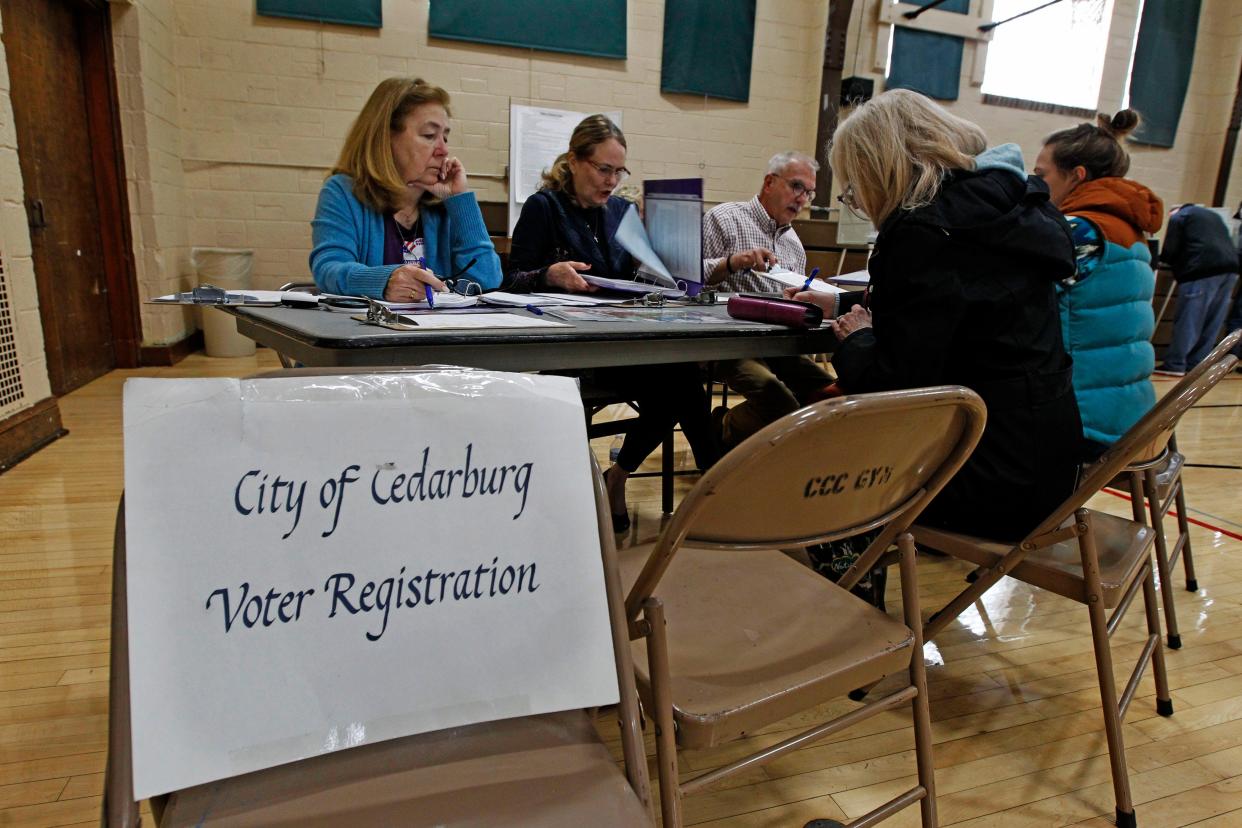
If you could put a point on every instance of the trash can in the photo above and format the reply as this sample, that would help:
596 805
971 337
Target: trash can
228 268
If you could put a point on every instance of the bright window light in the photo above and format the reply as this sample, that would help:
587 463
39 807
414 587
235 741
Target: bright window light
1054 55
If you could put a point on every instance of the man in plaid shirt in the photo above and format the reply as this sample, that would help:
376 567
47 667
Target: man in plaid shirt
742 240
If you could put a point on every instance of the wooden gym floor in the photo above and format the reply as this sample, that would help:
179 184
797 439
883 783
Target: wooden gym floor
1015 708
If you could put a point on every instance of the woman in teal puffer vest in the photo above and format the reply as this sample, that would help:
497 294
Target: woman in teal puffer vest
1106 313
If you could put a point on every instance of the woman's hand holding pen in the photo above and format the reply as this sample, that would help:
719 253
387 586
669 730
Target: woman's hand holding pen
409 283
564 275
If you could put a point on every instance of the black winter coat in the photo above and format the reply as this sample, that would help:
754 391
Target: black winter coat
1197 244
962 293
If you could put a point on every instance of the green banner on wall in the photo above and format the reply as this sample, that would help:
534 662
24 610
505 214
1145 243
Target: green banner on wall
927 62
580 27
350 12
708 45
1161 73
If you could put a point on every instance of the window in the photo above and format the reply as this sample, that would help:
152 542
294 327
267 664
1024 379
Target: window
1054 55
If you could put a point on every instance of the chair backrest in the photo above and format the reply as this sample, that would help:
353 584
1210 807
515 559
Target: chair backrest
1153 429
119 808
831 470
1218 353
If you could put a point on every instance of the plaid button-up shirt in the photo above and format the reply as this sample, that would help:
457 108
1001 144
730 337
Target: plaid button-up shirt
741 225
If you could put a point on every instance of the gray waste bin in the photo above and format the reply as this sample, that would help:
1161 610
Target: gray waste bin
228 268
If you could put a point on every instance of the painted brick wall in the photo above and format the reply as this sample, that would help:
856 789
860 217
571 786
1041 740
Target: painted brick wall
263 105
1187 172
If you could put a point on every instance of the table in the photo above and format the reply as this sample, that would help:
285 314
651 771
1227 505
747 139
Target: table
334 339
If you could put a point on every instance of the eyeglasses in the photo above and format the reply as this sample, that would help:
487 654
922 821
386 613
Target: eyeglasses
608 171
800 190
464 287
849 200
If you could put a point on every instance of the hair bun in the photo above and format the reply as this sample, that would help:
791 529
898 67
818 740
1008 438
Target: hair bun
1120 125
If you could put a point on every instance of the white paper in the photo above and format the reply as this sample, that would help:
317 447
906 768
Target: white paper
272 296
514 300
481 321
586 299
630 286
444 299
633 237
276 487
857 278
790 279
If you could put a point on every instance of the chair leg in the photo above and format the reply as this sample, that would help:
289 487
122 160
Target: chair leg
1104 671
666 474
1183 528
918 678
1136 498
1164 701
666 740
1162 559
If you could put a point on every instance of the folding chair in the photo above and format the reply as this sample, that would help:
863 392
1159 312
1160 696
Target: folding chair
547 770
1093 558
1158 484
752 636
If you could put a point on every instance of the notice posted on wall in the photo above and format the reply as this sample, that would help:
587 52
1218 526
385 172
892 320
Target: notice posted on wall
537 135
316 564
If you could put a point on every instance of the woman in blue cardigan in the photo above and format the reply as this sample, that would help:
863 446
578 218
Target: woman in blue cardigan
395 216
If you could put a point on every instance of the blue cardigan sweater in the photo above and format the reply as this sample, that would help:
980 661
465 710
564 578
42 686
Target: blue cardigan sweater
348 238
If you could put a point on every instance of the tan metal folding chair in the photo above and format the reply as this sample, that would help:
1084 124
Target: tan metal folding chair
752 636
548 770
1093 558
1157 483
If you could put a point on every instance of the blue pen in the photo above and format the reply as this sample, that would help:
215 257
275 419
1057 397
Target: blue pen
536 311
431 301
807 284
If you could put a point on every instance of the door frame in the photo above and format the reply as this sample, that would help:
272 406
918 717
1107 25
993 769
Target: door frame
104 131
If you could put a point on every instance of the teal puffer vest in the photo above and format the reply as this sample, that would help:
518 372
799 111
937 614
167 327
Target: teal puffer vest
1107 322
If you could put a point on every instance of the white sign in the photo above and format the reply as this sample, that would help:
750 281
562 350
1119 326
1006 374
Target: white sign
537 136
319 563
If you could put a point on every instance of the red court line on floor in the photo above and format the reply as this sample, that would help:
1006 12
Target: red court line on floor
1173 512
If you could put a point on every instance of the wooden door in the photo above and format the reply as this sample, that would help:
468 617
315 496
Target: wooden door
43 45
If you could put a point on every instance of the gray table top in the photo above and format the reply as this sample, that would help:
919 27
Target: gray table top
335 339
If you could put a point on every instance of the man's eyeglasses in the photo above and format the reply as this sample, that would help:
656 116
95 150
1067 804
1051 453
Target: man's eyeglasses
608 171
800 190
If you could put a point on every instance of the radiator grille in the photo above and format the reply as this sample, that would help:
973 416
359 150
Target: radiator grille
10 371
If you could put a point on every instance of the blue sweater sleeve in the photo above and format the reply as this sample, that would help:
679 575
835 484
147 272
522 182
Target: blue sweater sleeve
339 256
468 239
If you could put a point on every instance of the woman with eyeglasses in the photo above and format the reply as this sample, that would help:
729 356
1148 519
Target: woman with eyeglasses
567 228
396 217
963 291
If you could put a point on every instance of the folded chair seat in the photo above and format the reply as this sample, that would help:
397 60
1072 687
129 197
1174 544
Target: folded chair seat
1122 546
813 639
541 770
1166 474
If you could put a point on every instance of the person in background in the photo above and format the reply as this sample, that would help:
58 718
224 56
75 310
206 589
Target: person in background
963 292
396 215
568 228
1199 249
1106 313
1234 322
741 241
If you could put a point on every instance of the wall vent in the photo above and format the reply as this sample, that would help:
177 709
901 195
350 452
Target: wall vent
10 372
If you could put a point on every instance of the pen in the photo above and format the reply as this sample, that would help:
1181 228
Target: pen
536 311
807 284
431 302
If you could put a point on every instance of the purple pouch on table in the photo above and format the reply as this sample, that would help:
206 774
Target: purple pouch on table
775 311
